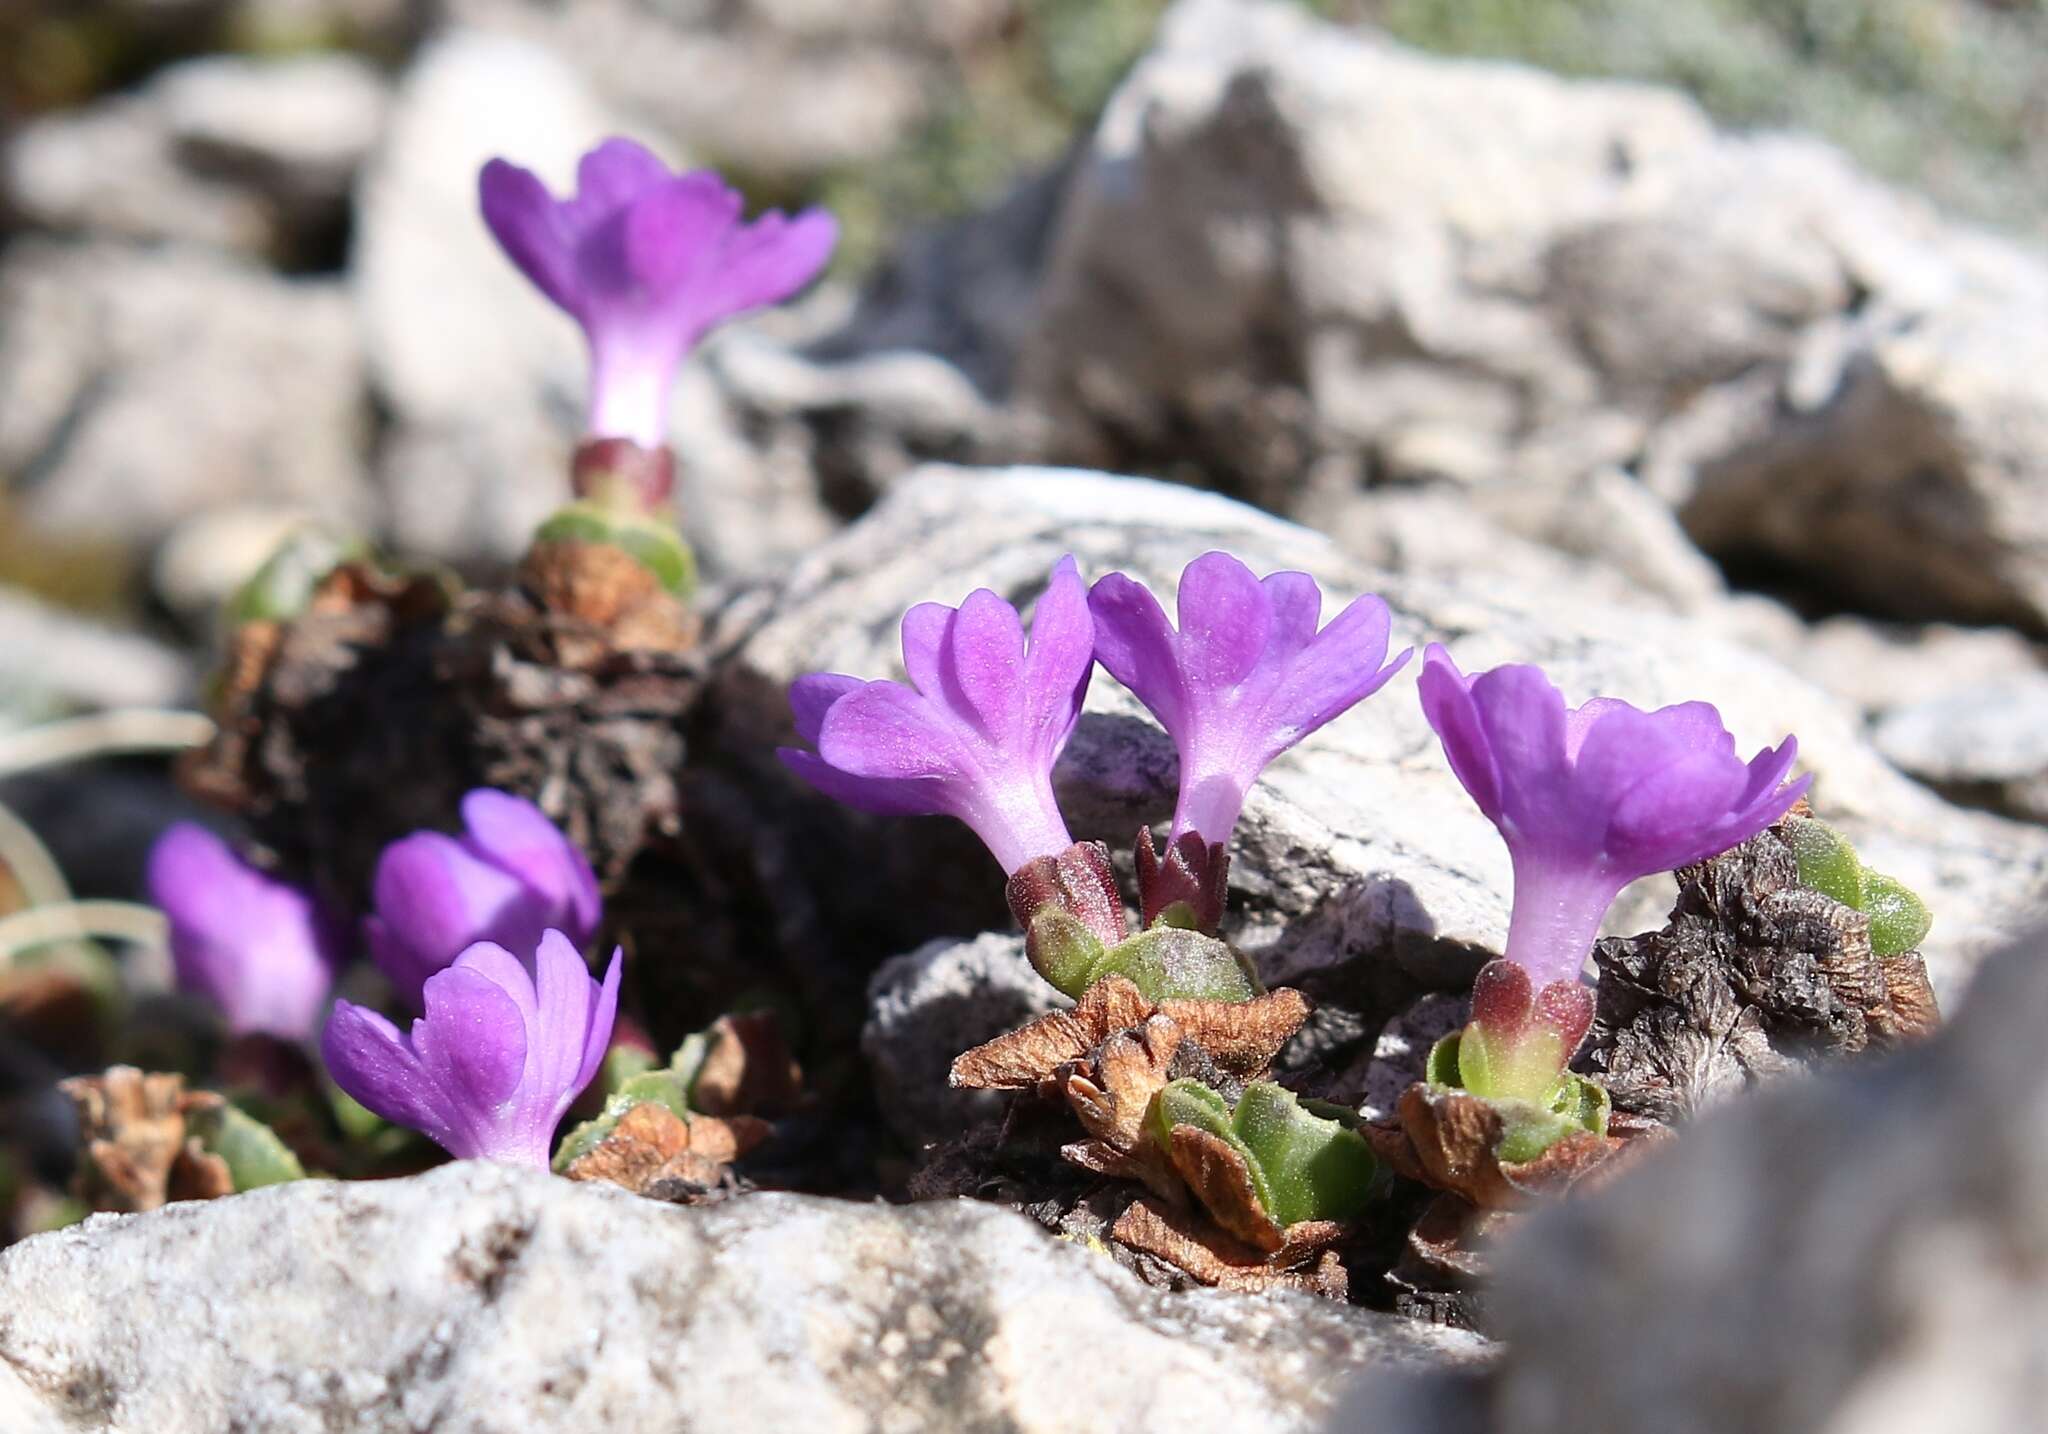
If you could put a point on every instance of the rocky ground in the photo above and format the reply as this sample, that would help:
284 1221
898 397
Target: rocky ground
1559 368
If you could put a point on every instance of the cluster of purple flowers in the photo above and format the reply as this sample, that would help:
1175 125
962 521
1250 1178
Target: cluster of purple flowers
1587 799
480 932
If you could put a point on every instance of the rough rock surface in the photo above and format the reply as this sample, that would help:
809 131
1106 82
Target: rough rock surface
256 155
1861 1253
1417 269
1983 743
1360 869
145 386
482 1298
927 1007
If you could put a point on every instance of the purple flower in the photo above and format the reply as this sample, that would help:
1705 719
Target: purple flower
1589 799
647 261
1245 678
498 1058
510 876
260 949
978 734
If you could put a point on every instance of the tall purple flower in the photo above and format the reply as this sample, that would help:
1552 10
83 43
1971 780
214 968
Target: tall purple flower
977 735
647 261
508 877
1246 676
499 1057
1588 799
258 948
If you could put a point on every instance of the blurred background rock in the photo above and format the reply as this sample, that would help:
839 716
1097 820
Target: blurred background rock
1752 338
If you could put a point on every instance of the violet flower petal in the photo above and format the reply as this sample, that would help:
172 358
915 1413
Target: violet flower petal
260 949
1245 676
647 261
516 836
1590 799
499 1057
977 736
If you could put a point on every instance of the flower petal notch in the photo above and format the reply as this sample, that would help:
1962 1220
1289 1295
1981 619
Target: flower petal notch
500 1055
508 877
260 949
1244 676
975 732
648 261
1589 799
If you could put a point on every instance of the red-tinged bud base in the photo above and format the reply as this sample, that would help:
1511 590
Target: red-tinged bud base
1521 1040
620 471
1080 882
1193 873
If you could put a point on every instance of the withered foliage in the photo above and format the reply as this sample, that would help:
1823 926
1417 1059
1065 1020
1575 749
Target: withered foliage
1105 1060
653 1151
137 1154
373 711
1754 975
748 1069
1450 1141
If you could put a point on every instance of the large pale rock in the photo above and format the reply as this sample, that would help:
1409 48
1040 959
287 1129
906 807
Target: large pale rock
1297 261
1860 1254
482 376
1360 866
230 152
482 1298
1985 743
146 386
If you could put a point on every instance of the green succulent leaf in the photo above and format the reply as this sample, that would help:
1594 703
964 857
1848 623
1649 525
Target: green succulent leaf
1827 862
1306 1163
1175 963
280 589
254 1155
1064 950
1530 1125
1899 920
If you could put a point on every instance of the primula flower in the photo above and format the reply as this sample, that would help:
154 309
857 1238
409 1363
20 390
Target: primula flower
647 261
1246 676
499 1057
1589 799
258 948
508 877
977 735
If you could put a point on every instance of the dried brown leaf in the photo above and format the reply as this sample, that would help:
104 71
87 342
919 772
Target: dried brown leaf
137 1154
651 1145
1208 1255
1032 1055
612 591
1448 1139
1222 1182
1909 1010
748 1069
1242 1037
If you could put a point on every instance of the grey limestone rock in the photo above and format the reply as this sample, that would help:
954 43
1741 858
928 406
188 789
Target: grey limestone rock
145 386
480 1297
925 1008
1984 742
1419 269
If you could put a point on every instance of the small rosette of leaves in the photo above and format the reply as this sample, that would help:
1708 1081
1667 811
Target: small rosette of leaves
1514 1056
1899 920
1302 1162
649 540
